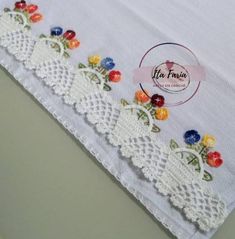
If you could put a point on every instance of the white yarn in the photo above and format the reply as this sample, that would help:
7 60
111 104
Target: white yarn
171 174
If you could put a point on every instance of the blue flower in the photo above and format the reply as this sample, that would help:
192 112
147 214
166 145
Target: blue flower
191 137
56 31
107 63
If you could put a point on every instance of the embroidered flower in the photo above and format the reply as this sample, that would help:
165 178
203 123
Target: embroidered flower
31 8
74 43
94 60
36 17
191 137
20 5
208 141
214 159
141 97
69 35
162 114
104 69
68 40
115 76
107 63
157 100
56 31
27 14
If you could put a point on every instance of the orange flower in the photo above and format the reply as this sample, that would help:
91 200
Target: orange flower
36 17
141 96
74 43
162 114
31 8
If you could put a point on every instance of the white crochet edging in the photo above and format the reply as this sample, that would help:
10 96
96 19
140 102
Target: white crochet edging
172 175
83 140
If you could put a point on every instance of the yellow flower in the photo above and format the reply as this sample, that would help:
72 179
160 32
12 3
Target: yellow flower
94 60
208 141
162 113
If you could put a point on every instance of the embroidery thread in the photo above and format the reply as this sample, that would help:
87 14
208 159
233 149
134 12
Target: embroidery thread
172 175
203 146
105 68
154 105
67 40
25 14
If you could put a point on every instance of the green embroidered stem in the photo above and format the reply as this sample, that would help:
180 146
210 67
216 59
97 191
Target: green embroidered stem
203 148
191 161
148 107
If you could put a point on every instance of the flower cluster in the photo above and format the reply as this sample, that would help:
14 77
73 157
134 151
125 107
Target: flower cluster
67 38
29 11
213 159
105 67
202 145
154 104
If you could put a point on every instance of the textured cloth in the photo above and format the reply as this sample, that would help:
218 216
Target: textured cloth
124 30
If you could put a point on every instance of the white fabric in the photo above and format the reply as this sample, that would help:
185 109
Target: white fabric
211 109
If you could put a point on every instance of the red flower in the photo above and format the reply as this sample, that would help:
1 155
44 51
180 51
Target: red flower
20 5
214 159
69 35
31 8
115 76
157 100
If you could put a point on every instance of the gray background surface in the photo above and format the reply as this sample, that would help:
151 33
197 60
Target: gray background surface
50 188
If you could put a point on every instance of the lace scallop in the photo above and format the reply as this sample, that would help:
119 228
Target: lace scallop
168 169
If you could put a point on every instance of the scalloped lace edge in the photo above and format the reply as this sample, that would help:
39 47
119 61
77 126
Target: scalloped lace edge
83 140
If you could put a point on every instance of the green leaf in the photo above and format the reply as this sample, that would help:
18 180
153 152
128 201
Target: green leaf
207 176
106 78
156 129
26 14
107 87
7 9
27 27
42 36
66 54
173 144
65 45
194 161
142 115
124 102
152 112
80 65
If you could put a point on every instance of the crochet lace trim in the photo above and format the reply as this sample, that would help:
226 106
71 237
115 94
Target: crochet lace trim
168 169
